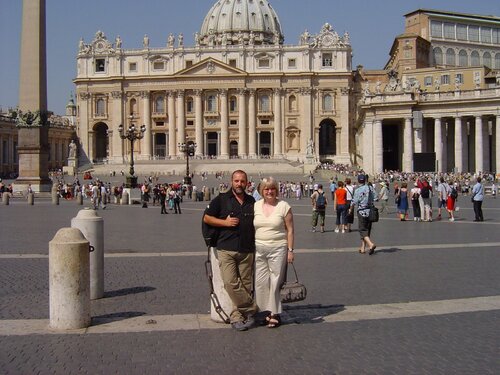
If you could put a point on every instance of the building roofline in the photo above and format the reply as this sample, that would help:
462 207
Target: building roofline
455 14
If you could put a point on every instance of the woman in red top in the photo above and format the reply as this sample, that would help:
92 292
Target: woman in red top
340 205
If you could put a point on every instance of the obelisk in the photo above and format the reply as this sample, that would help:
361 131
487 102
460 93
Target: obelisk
33 128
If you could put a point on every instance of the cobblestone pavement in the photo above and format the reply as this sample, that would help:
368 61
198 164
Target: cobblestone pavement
154 267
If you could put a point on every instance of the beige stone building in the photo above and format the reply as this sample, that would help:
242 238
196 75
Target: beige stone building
237 91
436 104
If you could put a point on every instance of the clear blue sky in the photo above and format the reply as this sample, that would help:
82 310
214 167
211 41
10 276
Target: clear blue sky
372 25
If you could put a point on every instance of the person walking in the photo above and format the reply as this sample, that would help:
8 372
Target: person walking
477 199
402 201
177 202
163 200
415 202
350 194
451 201
443 190
233 213
339 206
363 198
319 203
274 239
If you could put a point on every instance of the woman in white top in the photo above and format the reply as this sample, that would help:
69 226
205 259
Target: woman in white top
273 223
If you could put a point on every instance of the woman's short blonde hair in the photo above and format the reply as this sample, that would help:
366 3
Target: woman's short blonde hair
268 182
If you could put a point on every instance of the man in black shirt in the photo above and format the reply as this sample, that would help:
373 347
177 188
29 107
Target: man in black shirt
232 213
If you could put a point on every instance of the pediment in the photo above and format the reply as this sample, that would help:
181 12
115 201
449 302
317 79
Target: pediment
211 67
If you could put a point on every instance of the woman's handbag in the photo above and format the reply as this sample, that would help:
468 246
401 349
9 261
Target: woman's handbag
373 216
292 291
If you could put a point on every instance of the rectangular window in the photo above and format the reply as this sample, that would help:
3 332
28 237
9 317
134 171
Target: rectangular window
160 123
436 29
292 63
496 36
158 65
233 122
189 106
100 65
232 62
189 63
459 78
474 33
264 63
445 79
449 30
132 67
461 32
428 81
190 123
264 122
327 59
486 35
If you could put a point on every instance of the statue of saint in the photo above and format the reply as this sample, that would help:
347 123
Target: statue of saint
171 40
72 150
197 39
180 40
310 147
118 42
145 41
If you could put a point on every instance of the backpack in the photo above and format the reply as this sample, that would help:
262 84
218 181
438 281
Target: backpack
321 201
454 193
210 233
424 192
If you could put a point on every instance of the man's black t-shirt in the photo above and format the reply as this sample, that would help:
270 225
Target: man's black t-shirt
242 237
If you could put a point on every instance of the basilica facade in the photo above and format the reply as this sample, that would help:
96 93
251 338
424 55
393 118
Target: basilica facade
237 92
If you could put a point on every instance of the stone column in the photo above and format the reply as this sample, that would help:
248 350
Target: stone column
116 153
344 124
408 146
439 144
147 140
459 158
172 146
497 144
417 139
306 118
486 145
378 142
242 123
224 125
252 128
198 121
479 145
278 153
181 117
368 146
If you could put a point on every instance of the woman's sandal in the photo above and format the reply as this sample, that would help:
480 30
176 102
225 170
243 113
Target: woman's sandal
273 321
361 251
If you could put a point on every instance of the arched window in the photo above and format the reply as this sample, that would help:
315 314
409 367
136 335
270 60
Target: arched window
487 59
264 103
438 56
474 59
497 61
189 105
233 104
463 59
327 103
450 57
100 107
211 103
159 104
292 103
133 106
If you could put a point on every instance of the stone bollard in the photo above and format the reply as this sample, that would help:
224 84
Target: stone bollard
31 199
79 199
55 197
124 197
223 297
6 198
69 280
92 227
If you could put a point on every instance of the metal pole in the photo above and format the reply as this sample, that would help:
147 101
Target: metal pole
132 156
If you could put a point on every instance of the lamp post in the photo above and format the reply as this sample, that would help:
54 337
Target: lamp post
188 149
132 134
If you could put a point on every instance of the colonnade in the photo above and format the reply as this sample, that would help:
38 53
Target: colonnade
449 131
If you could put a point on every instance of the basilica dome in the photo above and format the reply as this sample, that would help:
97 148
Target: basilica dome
236 22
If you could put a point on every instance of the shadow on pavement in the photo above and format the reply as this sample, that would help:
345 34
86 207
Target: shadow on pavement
309 314
127 291
107 318
390 250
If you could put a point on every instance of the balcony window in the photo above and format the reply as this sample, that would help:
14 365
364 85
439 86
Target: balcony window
474 59
450 56
100 65
211 103
292 103
327 60
264 103
496 36
474 33
233 104
189 105
487 59
436 29
160 104
438 56
449 30
486 35
463 59
327 103
100 107
461 32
